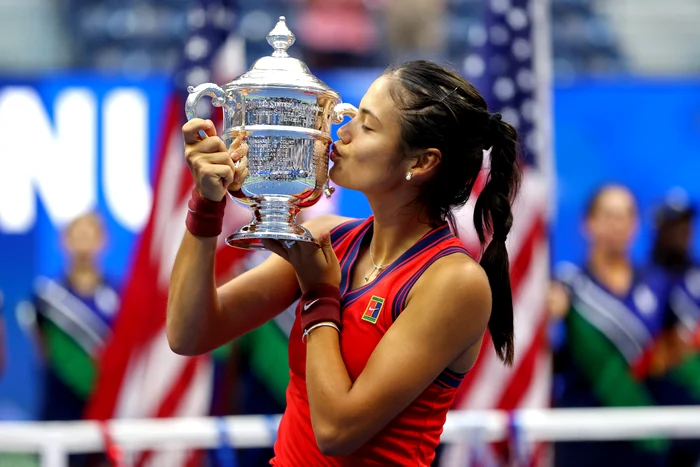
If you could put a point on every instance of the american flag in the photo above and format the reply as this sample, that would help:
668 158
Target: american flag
139 375
508 62
143 378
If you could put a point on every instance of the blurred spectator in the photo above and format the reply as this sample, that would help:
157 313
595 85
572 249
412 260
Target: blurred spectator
680 383
609 314
671 252
416 29
674 233
74 318
337 33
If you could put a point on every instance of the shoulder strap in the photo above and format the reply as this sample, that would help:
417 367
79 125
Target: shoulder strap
340 232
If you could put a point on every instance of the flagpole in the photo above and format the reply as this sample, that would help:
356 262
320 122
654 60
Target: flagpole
543 70
544 102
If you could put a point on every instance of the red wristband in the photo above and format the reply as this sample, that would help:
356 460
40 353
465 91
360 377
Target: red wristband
205 218
320 303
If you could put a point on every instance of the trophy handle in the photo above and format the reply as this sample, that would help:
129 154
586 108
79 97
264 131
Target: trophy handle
342 110
218 99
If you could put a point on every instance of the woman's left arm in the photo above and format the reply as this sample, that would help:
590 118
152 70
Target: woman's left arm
447 313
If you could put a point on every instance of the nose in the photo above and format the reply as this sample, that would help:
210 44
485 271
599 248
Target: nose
344 133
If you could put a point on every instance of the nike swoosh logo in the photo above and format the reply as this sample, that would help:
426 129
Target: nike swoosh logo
310 304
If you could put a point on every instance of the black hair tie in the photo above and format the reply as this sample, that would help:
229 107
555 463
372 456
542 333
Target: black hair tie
499 237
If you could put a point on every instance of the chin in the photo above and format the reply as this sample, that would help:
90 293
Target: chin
336 177
350 179
346 181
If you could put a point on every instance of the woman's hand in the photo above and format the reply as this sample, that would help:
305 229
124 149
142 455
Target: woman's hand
313 264
215 168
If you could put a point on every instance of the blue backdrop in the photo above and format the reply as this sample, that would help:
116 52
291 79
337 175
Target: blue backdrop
642 133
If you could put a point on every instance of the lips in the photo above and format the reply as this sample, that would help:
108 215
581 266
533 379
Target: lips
334 153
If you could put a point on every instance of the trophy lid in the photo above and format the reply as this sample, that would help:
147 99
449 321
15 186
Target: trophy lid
279 69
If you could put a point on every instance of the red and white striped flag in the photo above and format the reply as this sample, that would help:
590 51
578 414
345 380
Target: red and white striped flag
509 63
139 376
490 384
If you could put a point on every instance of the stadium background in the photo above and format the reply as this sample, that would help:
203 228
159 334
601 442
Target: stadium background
626 108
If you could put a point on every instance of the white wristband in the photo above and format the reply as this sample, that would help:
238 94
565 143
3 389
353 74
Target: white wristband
330 324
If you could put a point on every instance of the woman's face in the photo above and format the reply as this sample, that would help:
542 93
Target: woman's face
612 224
368 156
84 238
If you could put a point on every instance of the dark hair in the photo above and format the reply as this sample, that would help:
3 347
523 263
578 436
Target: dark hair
673 219
440 109
669 255
667 251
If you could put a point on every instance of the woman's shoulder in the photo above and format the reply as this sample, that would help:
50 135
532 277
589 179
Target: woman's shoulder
457 269
326 223
457 276
457 284
567 272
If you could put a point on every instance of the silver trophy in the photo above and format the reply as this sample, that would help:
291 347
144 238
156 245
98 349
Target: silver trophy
286 114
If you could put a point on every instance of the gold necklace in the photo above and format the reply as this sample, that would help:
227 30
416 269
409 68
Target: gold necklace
377 268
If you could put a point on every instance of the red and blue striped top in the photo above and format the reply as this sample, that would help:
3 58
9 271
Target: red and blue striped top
367 313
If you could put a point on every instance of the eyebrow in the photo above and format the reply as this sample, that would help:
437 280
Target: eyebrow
369 112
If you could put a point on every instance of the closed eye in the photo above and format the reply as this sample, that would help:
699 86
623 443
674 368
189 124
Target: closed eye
366 128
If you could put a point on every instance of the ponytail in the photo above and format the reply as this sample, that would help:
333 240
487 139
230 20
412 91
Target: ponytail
493 215
439 109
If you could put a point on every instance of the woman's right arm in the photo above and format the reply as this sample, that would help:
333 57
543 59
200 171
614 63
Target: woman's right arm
200 318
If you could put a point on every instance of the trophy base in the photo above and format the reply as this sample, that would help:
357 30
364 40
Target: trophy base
247 240
273 220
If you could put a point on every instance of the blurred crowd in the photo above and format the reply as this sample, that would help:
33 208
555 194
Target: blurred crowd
145 37
626 334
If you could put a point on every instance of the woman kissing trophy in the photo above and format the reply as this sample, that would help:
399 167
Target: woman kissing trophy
285 113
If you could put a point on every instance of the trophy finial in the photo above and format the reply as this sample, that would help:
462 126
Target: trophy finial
281 38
